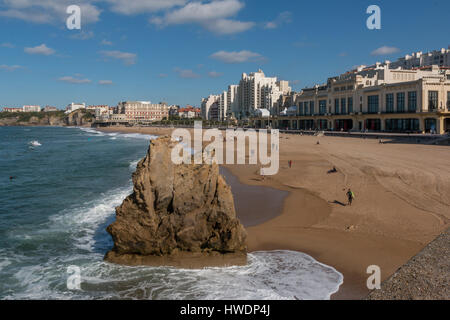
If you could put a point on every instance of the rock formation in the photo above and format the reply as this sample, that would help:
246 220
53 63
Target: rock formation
176 213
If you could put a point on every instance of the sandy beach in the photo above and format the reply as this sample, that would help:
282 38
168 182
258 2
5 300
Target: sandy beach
402 202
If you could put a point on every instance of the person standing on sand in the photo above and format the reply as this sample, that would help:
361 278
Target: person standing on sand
350 196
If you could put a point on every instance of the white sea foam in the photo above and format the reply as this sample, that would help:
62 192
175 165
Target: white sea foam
133 165
86 219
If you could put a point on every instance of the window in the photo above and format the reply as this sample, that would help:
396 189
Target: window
401 102
412 101
302 112
343 106
433 100
389 102
311 107
448 100
373 104
322 107
306 108
336 106
350 104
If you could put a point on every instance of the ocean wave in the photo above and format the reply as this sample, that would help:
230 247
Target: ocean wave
85 220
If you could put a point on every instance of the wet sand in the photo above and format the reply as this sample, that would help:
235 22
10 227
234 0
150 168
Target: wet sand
402 203
254 205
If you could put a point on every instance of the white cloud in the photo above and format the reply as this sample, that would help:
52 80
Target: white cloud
126 57
105 82
186 73
9 68
73 80
162 75
213 16
48 11
237 56
282 18
106 43
42 49
130 7
226 26
7 45
83 35
385 50
214 74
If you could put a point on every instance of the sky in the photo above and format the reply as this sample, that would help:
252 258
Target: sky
179 51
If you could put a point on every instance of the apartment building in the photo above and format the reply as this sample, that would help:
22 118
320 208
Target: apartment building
206 105
256 91
419 59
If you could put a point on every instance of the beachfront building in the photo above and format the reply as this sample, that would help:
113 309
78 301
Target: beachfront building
6 109
419 59
31 108
377 98
232 101
75 106
254 91
143 111
206 105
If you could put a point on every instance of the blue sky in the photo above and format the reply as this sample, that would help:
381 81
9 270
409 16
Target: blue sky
179 50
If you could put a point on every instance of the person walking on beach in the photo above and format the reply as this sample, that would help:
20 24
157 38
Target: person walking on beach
350 196
290 163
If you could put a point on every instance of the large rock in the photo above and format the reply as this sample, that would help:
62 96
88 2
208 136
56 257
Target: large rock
177 213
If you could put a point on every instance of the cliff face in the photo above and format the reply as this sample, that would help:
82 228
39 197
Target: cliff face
47 120
76 118
175 210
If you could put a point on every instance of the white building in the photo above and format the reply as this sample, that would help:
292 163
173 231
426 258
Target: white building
143 111
75 106
31 108
233 100
257 91
206 105
223 106
419 59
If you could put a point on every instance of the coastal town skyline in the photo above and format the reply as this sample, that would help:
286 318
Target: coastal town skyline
107 61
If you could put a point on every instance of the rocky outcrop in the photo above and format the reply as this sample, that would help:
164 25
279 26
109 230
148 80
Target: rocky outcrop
176 212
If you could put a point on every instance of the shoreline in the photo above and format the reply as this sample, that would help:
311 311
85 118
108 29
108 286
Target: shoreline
331 233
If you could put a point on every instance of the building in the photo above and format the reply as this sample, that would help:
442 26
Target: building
223 106
374 99
189 112
206 106
256 91
173 110
75 106
50 109
233 101
31 108
6 109
419 59
143 111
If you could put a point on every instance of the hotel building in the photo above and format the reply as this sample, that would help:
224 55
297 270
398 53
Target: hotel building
377 98
143 111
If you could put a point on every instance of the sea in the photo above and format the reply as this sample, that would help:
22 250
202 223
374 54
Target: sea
59 189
